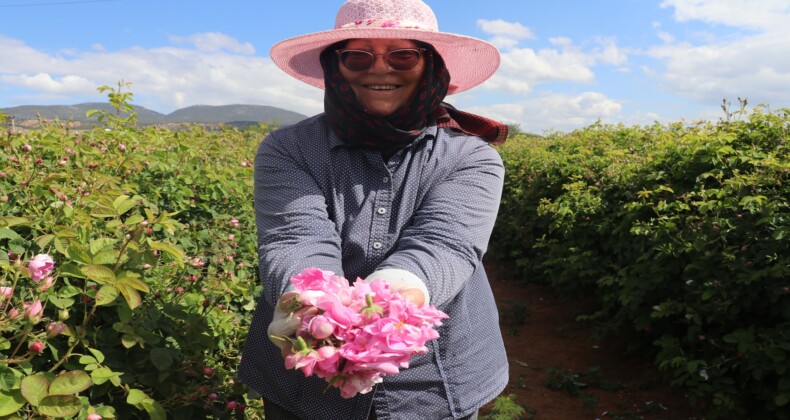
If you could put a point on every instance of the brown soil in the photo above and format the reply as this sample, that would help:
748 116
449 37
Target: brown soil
542 337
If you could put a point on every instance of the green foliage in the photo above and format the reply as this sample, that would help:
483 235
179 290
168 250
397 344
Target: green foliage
505 407
153 236
682 233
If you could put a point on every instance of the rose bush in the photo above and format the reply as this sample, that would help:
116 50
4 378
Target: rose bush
127 269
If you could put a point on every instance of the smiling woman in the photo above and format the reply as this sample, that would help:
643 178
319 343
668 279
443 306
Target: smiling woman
389 183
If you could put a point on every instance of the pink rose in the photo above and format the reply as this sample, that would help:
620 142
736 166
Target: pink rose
6 292
34 311
93 416
320 327
40 266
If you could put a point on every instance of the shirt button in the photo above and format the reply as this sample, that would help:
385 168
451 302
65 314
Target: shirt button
381 210
386 179
377 245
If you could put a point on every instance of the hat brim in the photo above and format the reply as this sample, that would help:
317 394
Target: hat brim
470 61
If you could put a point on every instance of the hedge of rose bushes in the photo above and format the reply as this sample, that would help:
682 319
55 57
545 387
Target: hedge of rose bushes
682 232
128 270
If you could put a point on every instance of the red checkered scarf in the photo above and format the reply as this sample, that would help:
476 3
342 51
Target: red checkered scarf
355 125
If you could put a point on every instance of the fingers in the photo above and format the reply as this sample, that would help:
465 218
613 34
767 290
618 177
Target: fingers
414 295
288 301
285 350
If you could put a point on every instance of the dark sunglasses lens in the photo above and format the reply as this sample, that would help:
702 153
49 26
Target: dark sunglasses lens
403 60
356 60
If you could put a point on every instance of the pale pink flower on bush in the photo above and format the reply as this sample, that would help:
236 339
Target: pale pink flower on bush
93 416
55 328
13 313
6 292
34 311
40 266
48 282
27 147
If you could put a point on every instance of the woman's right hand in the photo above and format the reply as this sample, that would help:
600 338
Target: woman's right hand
286 320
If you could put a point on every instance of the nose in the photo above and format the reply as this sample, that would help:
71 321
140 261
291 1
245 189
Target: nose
379 65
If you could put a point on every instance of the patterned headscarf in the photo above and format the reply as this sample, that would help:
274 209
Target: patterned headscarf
355 125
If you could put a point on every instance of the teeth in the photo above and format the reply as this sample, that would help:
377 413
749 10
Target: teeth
382 87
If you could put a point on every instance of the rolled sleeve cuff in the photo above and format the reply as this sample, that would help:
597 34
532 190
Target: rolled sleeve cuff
400 279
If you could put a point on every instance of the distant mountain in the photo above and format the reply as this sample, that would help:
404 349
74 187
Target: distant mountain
231 114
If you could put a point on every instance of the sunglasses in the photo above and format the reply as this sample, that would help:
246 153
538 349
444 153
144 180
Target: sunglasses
397 60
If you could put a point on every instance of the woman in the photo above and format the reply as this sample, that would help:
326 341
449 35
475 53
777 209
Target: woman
389 182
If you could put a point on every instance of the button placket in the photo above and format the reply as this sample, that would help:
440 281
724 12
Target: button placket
381 219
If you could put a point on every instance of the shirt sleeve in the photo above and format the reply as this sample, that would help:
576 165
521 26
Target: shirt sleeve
294 228
450 229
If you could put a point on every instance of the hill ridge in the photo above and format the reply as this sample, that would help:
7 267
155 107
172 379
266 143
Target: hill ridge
26 115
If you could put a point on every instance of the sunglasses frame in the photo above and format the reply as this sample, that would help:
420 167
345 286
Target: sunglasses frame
420 52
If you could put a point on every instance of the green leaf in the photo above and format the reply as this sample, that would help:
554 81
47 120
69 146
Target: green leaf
173 250
129 340
8 377
133 220
134 283
154 409
99 244
10 401
44 240
88 360
123 203
97 354
99 273
109 256
70 382
102 375
60 405
136 397
106 295
70 269
6 233
13 221
132 296
34 388
161 358
78 254
782 400
61 303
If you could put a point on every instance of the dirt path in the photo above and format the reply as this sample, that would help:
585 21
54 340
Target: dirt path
545 344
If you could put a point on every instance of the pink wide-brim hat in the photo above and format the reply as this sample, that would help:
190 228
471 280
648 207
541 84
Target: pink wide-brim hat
470 61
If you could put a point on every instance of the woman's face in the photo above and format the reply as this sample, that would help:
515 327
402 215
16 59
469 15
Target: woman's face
382 90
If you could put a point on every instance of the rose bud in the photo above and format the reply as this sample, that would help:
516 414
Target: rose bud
36 347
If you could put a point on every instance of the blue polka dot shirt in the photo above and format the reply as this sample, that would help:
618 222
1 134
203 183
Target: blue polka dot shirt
429 209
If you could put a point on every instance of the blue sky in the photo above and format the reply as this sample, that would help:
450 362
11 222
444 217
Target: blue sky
566 63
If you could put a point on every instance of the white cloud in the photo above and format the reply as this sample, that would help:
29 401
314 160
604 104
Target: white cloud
737 65
752 14
609 52
506 34
213 41
501 27
163 79
554 111
45 82
522 68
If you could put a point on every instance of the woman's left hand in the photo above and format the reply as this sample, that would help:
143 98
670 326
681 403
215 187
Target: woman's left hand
415 295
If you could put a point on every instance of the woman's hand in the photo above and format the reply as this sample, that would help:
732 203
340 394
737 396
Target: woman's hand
288 314
415 295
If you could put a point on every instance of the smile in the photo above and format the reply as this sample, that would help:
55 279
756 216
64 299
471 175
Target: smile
382 87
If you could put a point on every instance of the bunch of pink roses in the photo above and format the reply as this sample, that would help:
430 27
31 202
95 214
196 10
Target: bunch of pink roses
359 333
